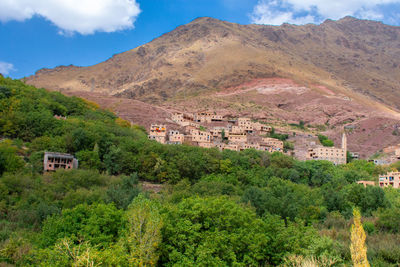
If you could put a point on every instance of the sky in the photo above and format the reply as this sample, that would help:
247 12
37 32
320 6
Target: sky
37 34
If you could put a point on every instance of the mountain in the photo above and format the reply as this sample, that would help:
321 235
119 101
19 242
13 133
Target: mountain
207 54
332 74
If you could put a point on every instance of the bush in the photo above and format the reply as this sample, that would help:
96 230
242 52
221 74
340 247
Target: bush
369 227
98 224
325 141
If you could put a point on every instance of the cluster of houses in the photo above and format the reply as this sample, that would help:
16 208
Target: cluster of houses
207 129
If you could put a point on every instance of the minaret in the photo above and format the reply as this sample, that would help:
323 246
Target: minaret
344 142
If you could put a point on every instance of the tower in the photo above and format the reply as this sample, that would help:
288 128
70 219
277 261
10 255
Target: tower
344 142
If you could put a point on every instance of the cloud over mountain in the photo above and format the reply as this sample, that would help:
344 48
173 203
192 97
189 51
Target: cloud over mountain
276 12
6 68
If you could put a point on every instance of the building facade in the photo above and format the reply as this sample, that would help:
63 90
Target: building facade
245 124
275 144
175 137
237 137
158 132
390 179
332 154
262 128
201 136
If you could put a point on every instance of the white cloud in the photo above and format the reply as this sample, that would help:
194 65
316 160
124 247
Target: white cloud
6 68
82 16
276 12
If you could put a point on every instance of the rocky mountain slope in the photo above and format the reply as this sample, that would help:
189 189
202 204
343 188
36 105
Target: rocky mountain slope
334 74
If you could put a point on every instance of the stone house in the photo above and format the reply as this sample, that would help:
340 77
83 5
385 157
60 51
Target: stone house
53 161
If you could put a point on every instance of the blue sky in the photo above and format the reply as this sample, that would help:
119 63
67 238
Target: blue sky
48 33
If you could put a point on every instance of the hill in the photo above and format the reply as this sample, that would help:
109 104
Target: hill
218 208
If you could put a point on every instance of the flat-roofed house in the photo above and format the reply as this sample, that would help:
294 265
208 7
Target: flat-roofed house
175 137
365 183
332 154
237 137
273 143
181 119
201 136
177 117
158 132
206 116
245 124
237 129
223 146
262 128
250 146
203 116
234 147
53 161
335 155
217 132
206 144
390 179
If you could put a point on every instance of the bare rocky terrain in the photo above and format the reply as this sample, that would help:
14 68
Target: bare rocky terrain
338 73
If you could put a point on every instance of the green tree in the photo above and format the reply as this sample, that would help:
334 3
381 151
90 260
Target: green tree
212 231
89 160
389 219
9 160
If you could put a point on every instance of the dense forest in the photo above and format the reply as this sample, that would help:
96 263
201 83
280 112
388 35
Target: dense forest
248 208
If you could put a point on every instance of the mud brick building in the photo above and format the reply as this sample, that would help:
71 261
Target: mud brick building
53 161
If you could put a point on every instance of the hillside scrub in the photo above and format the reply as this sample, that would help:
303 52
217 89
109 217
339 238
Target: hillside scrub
226 208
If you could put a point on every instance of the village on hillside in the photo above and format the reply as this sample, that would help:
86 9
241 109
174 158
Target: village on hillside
209 129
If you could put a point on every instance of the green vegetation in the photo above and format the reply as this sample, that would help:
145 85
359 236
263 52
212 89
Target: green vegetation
325 141
288 146
248 208
299 125
273 134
